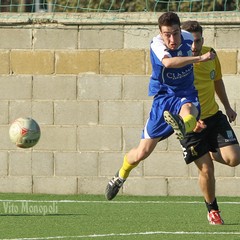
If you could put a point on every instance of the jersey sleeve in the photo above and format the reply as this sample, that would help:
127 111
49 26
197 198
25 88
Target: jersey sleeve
159 49
187 35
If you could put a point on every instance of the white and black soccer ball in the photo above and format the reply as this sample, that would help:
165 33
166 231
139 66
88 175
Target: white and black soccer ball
24 132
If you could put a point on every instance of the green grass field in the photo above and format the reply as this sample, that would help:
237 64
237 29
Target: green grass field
127 217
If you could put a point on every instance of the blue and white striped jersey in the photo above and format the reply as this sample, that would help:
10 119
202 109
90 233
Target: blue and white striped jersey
178 80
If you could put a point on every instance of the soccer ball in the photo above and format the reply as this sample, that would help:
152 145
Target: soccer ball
24 132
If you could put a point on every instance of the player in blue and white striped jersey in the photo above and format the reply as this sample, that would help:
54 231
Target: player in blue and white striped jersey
172 86
175 103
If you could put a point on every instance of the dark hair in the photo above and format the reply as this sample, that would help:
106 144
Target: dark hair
168 19
192 26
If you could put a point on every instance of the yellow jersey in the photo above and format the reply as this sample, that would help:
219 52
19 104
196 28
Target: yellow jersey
205 73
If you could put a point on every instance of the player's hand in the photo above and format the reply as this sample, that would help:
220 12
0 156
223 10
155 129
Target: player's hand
231 114
207 56
199 126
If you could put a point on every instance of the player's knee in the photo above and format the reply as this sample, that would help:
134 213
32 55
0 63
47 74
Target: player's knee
207 171
233 162
236 162
232 159
231 155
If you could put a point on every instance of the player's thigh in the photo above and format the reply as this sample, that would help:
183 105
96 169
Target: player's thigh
195 145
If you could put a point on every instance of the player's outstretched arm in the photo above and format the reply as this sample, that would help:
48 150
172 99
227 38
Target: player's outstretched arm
178 62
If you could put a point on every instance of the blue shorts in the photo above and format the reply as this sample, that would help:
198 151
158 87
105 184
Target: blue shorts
156 127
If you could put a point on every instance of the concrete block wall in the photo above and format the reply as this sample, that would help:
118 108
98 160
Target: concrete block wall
86 85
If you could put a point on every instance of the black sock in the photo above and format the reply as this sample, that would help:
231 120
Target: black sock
212 206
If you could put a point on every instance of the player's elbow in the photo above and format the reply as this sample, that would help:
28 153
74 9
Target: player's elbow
169 63
166 63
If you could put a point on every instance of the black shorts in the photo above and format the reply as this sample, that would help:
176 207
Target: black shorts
218 133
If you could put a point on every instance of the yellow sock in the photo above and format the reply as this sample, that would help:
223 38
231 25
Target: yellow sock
190 122
126 168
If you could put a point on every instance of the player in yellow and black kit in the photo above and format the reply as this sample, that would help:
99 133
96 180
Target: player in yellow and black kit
217 141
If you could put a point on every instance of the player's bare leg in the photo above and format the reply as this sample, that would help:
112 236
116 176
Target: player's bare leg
229 155
144 149
207 185
206 177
